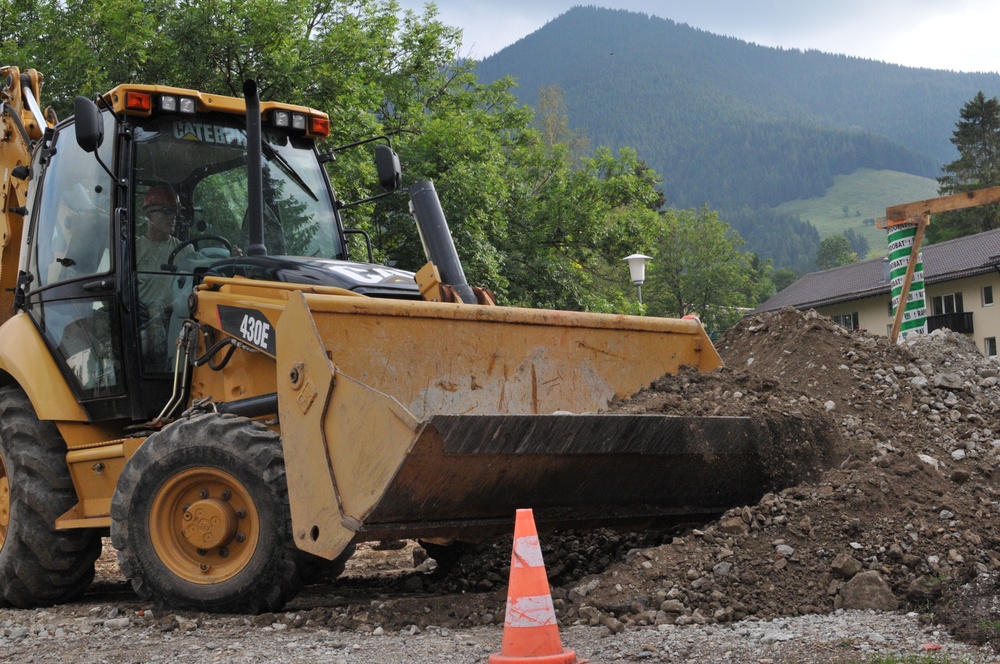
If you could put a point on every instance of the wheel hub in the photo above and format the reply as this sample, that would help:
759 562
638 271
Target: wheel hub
203 525
210 523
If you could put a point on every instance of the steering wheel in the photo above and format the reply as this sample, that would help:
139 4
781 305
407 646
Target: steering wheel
169 265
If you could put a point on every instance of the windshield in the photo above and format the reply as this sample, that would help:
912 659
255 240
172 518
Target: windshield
203 161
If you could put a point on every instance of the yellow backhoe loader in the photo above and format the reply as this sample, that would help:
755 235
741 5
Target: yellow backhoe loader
191 364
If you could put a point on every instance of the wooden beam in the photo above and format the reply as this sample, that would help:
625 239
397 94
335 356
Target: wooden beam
901 213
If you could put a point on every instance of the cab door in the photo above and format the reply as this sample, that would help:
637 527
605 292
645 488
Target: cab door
71 291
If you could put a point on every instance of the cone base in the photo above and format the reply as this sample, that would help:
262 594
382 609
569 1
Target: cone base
567 656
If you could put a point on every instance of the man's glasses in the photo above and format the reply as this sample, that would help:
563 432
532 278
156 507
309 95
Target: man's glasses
169 211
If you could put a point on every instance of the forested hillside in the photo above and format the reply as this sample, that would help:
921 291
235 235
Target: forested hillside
735 125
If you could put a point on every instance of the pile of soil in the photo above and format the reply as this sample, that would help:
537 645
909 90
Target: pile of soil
905 519
883 461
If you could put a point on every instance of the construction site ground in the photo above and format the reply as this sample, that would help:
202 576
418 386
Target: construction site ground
889 546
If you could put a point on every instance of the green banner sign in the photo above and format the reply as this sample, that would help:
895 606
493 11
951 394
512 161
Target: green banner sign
900 240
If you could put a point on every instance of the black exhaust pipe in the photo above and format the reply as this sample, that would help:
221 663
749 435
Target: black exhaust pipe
255 178
439 247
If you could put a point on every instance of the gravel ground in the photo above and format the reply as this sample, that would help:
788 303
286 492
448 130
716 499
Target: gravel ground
92 634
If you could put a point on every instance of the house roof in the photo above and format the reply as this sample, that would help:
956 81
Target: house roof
956 259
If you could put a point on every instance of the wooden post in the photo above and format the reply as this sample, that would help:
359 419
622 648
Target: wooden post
922 222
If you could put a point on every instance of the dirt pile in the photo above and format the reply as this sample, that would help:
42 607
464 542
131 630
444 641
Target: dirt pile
906 517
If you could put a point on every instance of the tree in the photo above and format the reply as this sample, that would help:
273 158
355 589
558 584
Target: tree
977 137
552 123
783 277
698 268
571 223
835 251
858 242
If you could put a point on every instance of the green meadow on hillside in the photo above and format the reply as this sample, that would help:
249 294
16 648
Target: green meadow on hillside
866 194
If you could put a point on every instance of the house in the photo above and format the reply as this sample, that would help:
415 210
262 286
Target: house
961 279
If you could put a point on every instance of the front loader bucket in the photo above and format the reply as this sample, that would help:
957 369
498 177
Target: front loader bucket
361 466
465 475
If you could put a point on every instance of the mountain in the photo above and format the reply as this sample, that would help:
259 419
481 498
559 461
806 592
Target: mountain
730 123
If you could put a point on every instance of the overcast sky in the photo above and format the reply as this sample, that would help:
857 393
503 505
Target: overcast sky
960 35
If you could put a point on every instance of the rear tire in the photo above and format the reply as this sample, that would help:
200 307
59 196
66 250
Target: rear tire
39 565
201 520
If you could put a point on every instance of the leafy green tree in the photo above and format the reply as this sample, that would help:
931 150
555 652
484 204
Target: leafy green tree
698 268
573 225
977 137
858 242
783 277
552 122
835 251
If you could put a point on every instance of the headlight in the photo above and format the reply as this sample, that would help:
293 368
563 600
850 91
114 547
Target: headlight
281 119
173 104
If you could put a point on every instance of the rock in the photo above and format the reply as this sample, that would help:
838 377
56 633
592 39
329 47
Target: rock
672 606
868 591
930 461
845 566
581 591
733 525
613 624
950 381
722 568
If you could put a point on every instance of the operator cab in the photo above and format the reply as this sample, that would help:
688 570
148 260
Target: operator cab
111 267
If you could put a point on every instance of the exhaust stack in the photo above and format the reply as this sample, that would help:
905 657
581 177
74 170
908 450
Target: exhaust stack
255 178
439 247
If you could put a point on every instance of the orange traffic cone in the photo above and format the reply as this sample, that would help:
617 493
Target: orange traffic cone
530 632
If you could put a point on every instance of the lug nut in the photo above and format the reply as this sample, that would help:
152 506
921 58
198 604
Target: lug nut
226 495
241 514
223 552
240 537
203 494
202 552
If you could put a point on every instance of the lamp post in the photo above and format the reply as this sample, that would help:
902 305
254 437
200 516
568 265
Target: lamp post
637 270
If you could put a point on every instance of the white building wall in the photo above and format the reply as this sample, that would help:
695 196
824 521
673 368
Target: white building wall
873 313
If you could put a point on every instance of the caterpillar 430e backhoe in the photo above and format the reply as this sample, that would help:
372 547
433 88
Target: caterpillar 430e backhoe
236 402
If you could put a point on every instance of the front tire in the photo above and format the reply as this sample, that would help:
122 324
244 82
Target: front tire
201 520
39 565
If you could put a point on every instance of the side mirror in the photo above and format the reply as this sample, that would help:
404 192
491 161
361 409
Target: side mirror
89 125
390 175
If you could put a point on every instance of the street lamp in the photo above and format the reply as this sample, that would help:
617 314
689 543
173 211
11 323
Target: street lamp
637 270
